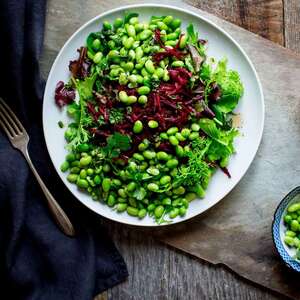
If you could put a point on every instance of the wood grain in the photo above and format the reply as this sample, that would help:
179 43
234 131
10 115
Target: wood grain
158 272
259 16
292 24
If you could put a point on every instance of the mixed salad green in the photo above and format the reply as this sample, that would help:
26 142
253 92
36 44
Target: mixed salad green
152 116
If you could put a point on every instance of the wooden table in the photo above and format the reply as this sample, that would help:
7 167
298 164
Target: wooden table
157 271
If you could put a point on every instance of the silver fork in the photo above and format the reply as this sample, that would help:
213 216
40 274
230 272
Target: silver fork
19 138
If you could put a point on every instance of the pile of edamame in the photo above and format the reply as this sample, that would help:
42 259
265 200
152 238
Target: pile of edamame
292 221
147 132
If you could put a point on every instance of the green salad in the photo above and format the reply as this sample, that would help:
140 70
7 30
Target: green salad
151 116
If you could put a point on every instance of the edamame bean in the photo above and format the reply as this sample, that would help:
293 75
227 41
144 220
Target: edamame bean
179 191
199 190
111 44
165 179
142 213
172 36
294 207
132 78
82 183
139 53
161 155
172 163
172 130
131 99
131 31
190 197
64 166
107 25
96 44
166 201
131 54
129 66
153 187
83 147
295 225
182 211
195 127
123 79
97 180
133 20
193 135
70 157
289 241
159 210
121 207
179 151
149 66
85 161
106 184
168 20
171 43
83 174
153 171
123 96
111 200
72 178
174 213
123 52
138 27
151 207
175 23
179 137
90 171
288 219
75 163
132 211
290 233
116 182
153 124
164 136
159 72
183 41
145 34
106 168
177 63
173 140
122 193
118 23
128 42
131 186
112 54
149 154
142 99
138 126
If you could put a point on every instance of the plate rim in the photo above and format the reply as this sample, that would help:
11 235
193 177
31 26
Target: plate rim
211 23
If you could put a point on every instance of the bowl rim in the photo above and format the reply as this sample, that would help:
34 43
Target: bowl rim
211 23
278 215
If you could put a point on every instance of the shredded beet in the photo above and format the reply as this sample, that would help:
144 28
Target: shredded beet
225 171
169 51
63 95
80 67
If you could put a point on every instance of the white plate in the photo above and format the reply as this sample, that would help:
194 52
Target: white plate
220 45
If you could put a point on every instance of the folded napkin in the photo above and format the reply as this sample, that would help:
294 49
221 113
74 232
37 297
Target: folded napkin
37 261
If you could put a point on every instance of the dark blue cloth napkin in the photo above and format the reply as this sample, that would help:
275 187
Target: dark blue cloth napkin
37 261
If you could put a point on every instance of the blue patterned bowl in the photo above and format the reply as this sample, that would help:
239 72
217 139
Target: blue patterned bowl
278 230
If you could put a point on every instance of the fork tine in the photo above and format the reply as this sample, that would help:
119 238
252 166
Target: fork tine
6 117
12 114
6 130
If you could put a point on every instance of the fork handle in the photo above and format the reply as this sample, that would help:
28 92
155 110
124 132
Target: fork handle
59 215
